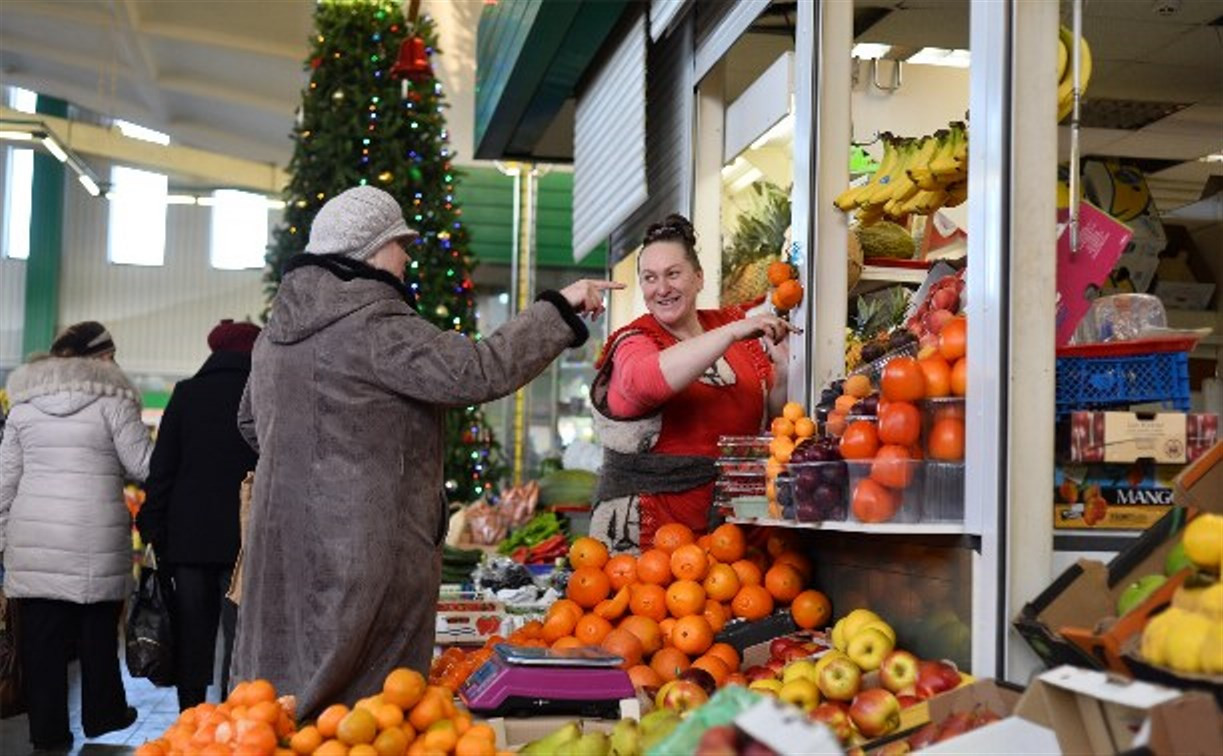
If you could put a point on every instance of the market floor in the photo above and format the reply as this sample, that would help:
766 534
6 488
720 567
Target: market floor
157 707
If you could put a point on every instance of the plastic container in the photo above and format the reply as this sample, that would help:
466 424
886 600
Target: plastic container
874 369
1098 382
874 496
740 467
744 446
1121 317
943 492
816 491
934 410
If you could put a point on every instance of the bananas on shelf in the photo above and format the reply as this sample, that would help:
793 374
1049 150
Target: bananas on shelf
1065 72
915 176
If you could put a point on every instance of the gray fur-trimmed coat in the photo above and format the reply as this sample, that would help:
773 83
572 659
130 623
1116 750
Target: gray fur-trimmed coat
345 405
72 437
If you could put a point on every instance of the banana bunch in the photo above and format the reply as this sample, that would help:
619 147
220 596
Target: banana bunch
915 176
1065 74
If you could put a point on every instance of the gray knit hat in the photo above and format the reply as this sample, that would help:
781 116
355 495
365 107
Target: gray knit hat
357 223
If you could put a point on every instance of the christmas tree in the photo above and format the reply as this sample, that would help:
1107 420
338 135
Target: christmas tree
374 113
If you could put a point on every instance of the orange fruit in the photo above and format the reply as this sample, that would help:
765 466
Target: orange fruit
533 628
587 587
669 662
779 271
614 607
654 567
649 601
893 467
388 715
781 427
259 690
727 543
783 583
621 570
329 720
152 748
781 447
692 635
717 668
362 749
798 561
565 605
788 295
938 376
903 380
568 641
689 562
259 737
665 628
475 745
591 629
953 339
558 626
483 731
265 711
811 609
715 614
685 597
747 572
357 726
722 582
860 440
727 654
959 377
845 403
588 552
858 386
331 747
646 630
671 536
946 440
441 737
752 602
392 742
430 709
792 411
642 676
804 427
624 644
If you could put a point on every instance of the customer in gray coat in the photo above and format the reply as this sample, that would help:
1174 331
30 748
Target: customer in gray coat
345 404
73 436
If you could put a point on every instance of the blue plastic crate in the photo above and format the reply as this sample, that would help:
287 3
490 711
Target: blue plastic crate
1094 382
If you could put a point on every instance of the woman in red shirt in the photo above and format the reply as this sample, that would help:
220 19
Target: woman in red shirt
669 384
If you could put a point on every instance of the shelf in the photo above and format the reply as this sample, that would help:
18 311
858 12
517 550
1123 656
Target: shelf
883 528
894 275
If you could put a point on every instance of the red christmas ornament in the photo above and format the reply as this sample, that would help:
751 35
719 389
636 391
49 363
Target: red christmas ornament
413 61
316 62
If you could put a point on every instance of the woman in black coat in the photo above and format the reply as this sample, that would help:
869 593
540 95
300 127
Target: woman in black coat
190 514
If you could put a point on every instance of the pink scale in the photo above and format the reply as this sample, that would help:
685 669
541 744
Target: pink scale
584 682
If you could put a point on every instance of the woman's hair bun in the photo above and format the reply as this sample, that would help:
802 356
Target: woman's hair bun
674 227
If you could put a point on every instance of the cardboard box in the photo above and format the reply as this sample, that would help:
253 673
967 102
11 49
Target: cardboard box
1010 735
1084 597
515 732
1200 485
1121 190
1184 280
1164 437
1129 496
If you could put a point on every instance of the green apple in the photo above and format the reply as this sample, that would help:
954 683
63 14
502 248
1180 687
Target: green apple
1135 593
1176 560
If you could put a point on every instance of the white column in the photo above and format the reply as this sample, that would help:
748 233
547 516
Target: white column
707 179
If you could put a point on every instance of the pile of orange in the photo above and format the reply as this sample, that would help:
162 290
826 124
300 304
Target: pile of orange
661 610
251 721
788 430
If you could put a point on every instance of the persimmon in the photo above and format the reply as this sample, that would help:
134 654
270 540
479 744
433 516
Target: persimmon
860 440
899 423
903 380
685 597
873 502
893 467
959 377
946 442
938 376
953 339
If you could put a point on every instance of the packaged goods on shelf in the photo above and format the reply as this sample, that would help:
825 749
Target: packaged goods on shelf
1112 496
1184 279
1165 438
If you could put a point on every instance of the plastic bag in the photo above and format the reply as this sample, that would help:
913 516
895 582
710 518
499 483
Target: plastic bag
487 523
150 641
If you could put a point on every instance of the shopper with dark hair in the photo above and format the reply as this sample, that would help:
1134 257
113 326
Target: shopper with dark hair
74 434
190 513
669 384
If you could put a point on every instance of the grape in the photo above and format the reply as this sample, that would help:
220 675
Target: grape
807 479
834 473
785 490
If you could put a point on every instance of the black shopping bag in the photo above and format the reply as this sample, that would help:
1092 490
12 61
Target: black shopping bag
149 639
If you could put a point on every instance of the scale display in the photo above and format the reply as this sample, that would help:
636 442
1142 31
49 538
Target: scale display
516 681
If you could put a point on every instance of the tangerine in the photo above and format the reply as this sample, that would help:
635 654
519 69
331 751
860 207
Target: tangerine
392 742
566 605
748 572
788 295
329 720
953 339
261 737
792 411
689 562
665 628
558 626
588 552
727 543
715 666
643 676
331 747
592 629
685 597
357 726
752 602
938 376
654 567
388 715
779 271
671 536
613 608
781 427
804 428
946 440
669 662
903 380
692 635
646 630
781 447
845 404
624 644
783 582
715 614
587 587
727 654
621 570
265 711
835 424
722 582
811 609
259 690
959 377
798 561
568 641
649 601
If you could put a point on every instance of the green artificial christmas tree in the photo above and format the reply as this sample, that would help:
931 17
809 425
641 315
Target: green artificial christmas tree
374 113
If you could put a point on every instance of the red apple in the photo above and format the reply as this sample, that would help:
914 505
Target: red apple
875 712
934 677
759 672
899 669
702 679
836 718
795 652
907 701
840 679
681 696
923 737
953 726
778 647
908 690
719 741
777 665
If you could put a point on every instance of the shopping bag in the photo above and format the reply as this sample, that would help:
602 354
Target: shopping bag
149 637
245 492
12 701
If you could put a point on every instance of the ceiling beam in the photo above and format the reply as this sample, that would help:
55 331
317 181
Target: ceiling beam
206 38
196 87
127 38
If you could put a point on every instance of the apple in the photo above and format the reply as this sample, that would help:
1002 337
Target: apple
840 679
934 677
895 748
875 712
735 678
882 627
836 718
794 653
759 672
869 648
899 671
776 665
778 647
770 686
954 726
804 669
703 679
722 740
923 737
756 748
680 696
907 701
824 660
800 692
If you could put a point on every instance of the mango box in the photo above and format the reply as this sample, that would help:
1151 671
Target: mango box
1130 496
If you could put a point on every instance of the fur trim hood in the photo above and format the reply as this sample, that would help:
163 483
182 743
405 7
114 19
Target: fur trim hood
63 385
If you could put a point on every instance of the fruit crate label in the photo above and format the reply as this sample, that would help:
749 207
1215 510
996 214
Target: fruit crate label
1166 437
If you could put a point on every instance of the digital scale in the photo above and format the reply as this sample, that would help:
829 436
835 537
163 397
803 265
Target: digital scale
515 681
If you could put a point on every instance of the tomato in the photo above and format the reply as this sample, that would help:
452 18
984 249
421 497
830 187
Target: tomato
860 440
953 339
938 376
959 377
873 503
893 467
899 423
903 380
946 440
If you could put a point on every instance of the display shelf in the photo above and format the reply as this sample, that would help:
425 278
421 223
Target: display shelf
888 274
882 528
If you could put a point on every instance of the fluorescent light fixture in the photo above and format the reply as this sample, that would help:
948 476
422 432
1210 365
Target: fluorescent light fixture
783 129
180 199
205 201
54 148
869 50
90 185
16 136
939 56
136 131
1214 157
275 204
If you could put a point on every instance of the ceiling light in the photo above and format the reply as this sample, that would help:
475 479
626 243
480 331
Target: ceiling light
90 185
939 56
869 50
54 148
16 136
180 199
275 204
136 131
1214 157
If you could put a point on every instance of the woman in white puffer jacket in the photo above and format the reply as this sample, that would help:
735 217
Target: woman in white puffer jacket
72 437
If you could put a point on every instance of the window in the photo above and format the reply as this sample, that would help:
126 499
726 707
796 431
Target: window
136 131
239 230
18 185
137 233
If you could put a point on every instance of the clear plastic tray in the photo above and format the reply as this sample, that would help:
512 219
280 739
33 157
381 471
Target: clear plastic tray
943 497
874 497
814 491
744 446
